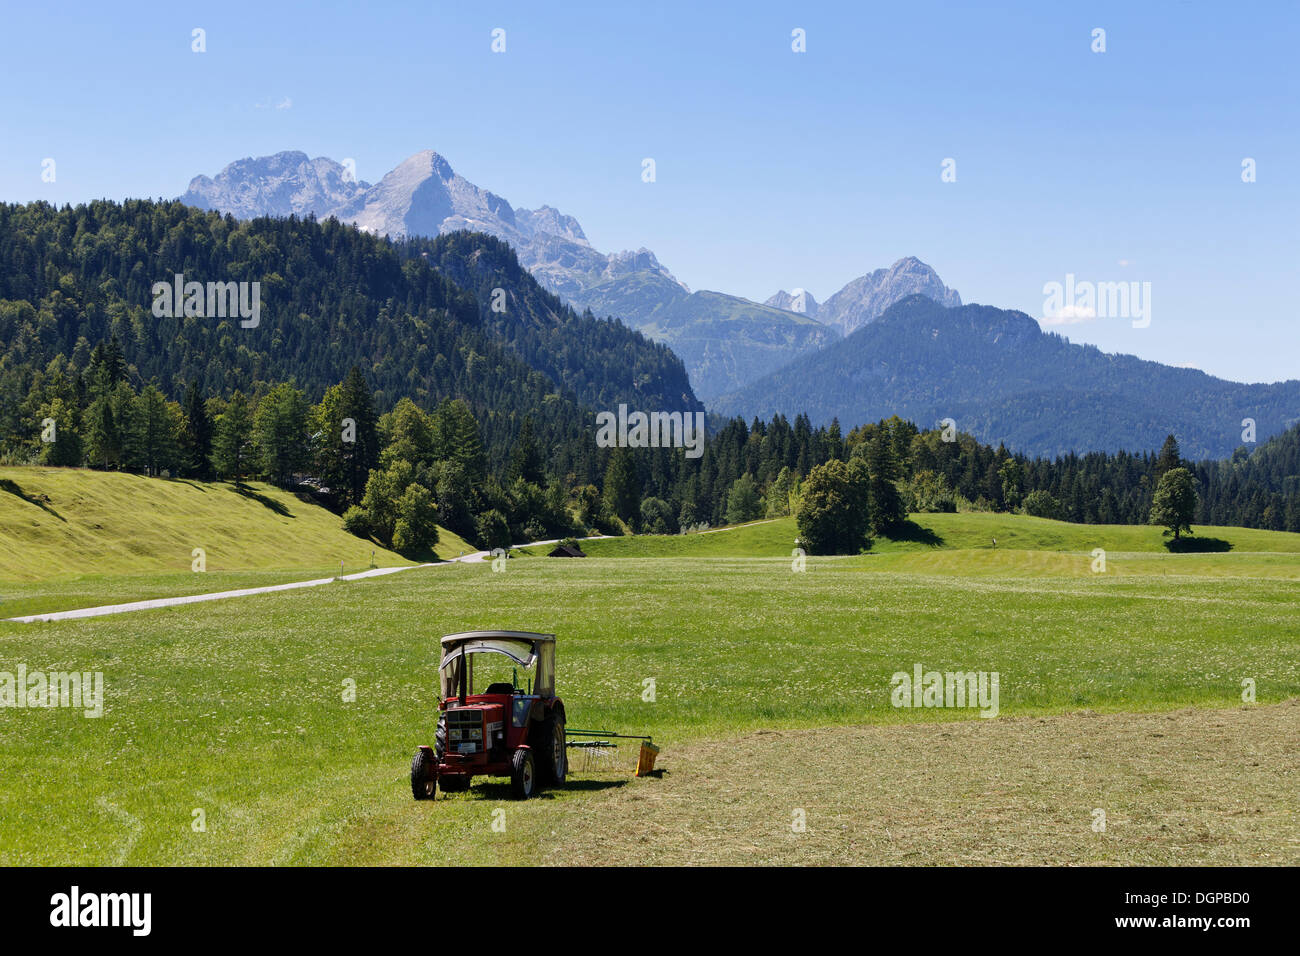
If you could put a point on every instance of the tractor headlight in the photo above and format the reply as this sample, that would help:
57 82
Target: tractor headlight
476 733
455 734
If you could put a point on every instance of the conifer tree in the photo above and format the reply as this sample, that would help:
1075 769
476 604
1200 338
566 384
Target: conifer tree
196 436
232 444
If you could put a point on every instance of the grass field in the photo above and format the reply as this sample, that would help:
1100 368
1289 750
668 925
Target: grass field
236 708
76 538
941 532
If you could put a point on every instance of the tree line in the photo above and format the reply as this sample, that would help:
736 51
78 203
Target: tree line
88 376
421 319
397 474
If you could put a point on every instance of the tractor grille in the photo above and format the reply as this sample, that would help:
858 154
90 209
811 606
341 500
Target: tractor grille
464 727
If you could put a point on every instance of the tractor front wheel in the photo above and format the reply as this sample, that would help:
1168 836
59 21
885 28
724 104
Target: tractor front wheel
523 774
423 781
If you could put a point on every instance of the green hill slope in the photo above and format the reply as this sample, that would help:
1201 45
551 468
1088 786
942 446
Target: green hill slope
941 532
61 522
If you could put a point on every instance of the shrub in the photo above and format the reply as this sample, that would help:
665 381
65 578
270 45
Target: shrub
355 521
493 531
743 502
657 517
1040 504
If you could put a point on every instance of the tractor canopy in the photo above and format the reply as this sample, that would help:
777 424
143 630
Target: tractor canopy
523 647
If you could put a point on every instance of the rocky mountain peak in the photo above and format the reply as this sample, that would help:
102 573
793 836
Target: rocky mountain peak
798 300
286 183
550 220
865 299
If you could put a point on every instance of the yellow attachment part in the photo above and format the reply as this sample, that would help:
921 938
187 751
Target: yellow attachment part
646 759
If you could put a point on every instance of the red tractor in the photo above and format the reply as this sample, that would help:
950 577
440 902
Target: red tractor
506 731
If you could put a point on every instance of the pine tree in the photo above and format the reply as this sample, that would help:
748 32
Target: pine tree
196 436
456 437
526 460
622 489
107 367
158 429
130 427
232 443
778 494
103 442
358 421
65 449
1169 458
888 510
280 433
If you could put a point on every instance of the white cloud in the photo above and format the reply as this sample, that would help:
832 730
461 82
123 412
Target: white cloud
1070 315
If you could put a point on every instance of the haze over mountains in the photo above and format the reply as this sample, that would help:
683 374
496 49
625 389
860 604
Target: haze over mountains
724 340
1003 379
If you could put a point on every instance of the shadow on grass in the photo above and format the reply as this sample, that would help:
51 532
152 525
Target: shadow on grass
198 485
1195 545
424 555
501 791
41 501
911 531
276 506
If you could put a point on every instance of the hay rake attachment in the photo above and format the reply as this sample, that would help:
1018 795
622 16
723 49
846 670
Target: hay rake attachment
598 751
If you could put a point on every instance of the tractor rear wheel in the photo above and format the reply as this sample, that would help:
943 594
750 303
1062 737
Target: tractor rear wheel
523 774
422 780
552 756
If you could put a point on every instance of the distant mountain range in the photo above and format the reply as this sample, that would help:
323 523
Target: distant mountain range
724 340
1001 378
893 341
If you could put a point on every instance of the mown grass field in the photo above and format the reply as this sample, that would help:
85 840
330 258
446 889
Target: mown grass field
74 538
237 708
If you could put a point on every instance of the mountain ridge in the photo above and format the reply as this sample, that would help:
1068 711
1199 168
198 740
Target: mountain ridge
1004 380
725 341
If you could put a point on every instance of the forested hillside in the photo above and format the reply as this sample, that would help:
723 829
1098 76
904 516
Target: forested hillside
601 360
331 298
1004 380
1259 489
380 377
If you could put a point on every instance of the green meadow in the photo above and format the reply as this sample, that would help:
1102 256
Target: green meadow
237 708
237 714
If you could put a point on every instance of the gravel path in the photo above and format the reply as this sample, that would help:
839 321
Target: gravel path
472 557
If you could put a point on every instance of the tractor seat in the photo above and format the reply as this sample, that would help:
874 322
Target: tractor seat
501 688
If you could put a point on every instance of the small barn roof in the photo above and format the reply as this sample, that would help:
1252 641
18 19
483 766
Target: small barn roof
567 551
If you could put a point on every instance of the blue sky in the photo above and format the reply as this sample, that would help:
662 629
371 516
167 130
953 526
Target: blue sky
775 169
